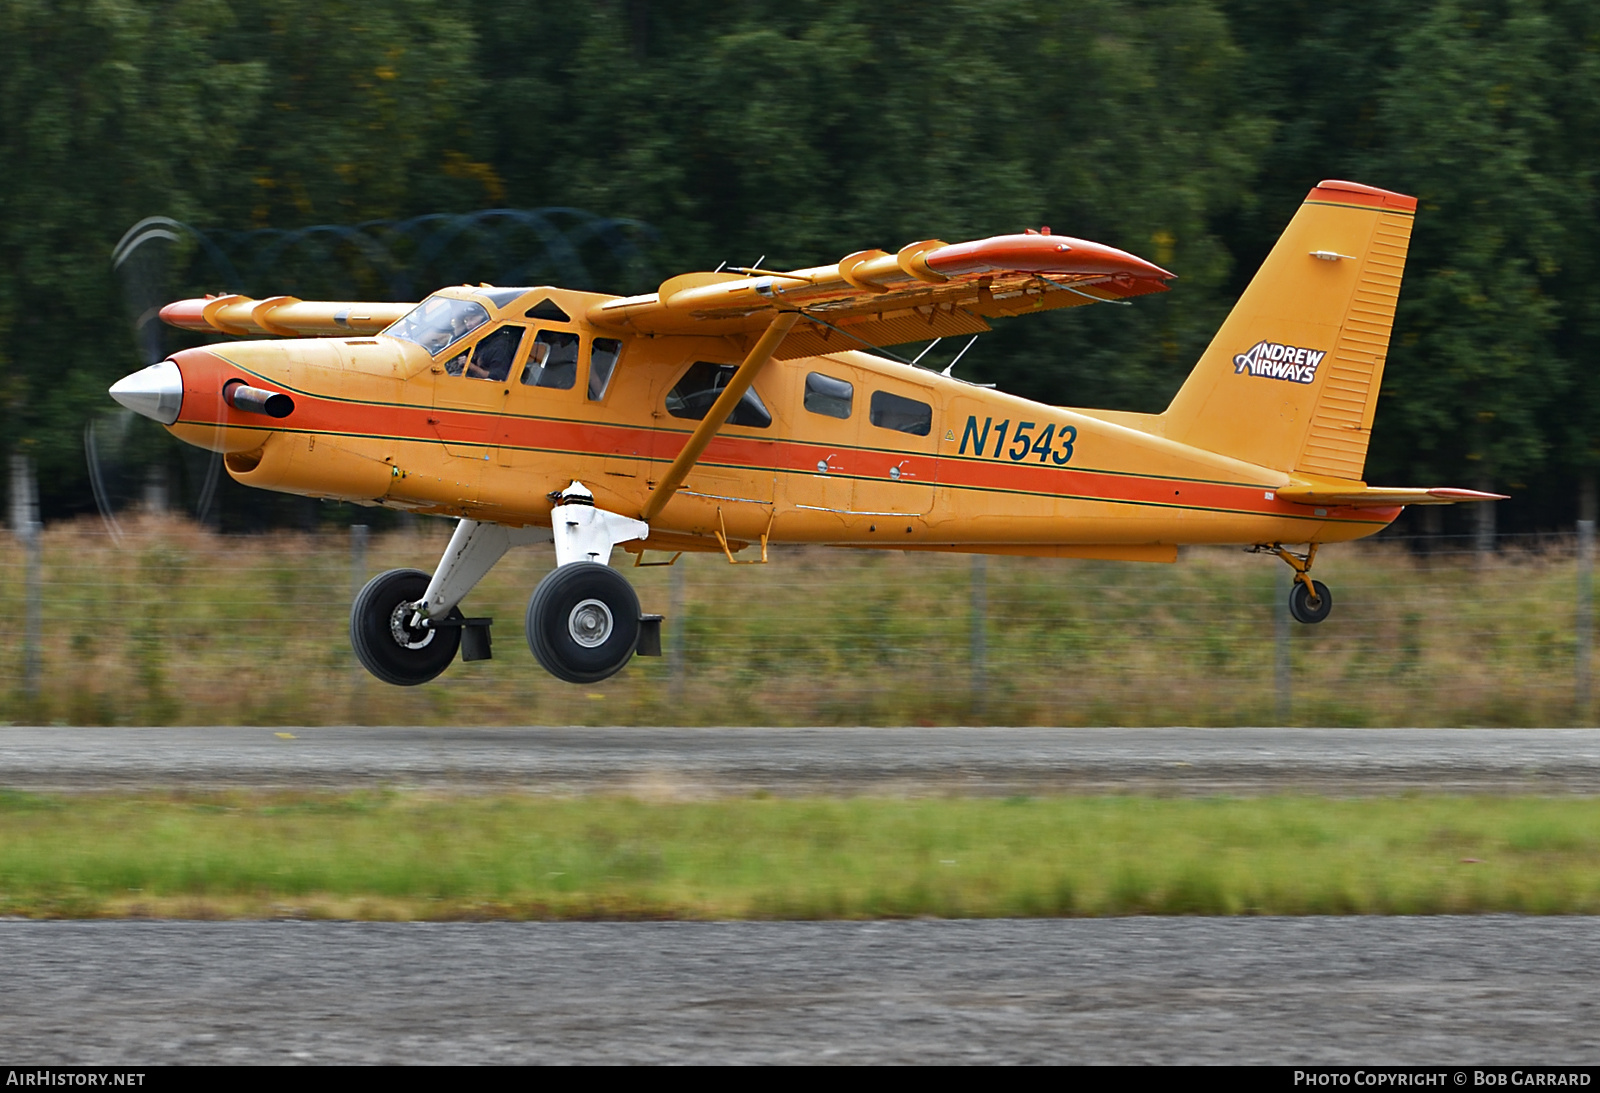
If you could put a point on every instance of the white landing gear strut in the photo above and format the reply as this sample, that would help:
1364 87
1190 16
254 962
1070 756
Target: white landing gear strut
584 533
584 621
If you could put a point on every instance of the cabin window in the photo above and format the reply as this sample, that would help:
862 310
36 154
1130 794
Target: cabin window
905 415
553 362
603 354
828 396
491 358
438 323
699 388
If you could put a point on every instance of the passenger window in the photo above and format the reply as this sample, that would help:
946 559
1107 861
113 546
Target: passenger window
603 354
826 395
699 388
553 361
905 415
491 358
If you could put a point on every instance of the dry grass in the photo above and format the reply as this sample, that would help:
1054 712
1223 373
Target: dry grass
181 626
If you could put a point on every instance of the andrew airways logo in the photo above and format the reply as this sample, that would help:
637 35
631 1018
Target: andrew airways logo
1277 361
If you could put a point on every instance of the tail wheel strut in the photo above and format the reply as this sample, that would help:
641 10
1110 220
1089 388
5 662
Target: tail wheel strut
1309 601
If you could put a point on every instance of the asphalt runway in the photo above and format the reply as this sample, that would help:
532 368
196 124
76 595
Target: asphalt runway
1363 991
672 763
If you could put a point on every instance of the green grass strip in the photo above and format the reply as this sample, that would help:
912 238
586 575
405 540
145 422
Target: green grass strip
417 856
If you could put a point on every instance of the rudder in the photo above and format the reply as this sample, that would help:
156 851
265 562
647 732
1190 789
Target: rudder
1291 379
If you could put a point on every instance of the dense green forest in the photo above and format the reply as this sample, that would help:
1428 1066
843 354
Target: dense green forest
1186 131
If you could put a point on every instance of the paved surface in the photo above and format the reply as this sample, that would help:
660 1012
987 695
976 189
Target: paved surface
709 762
1367 991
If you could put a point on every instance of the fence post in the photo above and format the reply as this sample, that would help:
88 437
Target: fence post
25 522
1585 622
358 559
979 679
1282 629
358 580
676 625
1483 531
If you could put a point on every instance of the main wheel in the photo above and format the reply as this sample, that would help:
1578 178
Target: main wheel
1307 608
583 622
386 643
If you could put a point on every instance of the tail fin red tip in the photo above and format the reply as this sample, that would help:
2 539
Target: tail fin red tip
1356 193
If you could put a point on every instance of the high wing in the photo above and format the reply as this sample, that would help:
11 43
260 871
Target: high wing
929 289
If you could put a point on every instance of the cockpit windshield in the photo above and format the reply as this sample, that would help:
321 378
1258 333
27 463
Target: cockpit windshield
439 322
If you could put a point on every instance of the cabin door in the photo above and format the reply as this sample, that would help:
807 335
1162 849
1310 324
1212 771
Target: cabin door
897 463
470 397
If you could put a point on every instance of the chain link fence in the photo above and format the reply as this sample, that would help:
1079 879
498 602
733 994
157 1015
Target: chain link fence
182 625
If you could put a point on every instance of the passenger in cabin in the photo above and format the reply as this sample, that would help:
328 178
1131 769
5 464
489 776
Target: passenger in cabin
554 360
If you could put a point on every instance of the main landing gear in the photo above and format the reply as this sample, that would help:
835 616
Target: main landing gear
390 641
583 622
1309 600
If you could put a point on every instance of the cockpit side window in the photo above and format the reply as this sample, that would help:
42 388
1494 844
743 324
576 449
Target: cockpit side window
438 323
491 358
553 361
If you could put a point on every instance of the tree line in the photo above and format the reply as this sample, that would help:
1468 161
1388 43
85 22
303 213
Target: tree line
1185 131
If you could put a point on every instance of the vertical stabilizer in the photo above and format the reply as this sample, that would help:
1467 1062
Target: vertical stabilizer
1291 379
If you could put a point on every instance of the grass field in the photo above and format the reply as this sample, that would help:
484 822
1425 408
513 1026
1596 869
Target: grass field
181 626
413 856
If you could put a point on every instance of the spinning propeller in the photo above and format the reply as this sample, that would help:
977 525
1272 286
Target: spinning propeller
129 456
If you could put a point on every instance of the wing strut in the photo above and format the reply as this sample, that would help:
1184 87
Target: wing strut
760 354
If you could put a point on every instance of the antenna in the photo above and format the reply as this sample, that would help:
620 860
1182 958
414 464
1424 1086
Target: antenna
951 366
925 352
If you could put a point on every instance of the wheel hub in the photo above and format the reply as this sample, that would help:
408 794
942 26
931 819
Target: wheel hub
401 630
590 623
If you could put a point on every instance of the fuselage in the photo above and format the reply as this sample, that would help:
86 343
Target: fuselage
848 448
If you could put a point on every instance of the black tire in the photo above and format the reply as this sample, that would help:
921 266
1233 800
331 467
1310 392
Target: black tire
1306 609
583 622
384 641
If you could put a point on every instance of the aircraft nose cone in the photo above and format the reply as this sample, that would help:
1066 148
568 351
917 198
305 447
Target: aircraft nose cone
156 392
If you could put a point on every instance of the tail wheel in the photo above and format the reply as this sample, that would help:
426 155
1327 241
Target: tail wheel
1310 606
386 643
583 622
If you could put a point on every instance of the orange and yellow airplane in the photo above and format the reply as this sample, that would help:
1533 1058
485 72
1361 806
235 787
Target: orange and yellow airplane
743 407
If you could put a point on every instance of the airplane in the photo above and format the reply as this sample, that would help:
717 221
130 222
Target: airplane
748 406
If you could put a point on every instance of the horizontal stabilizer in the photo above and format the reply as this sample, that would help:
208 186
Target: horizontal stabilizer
1380 496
